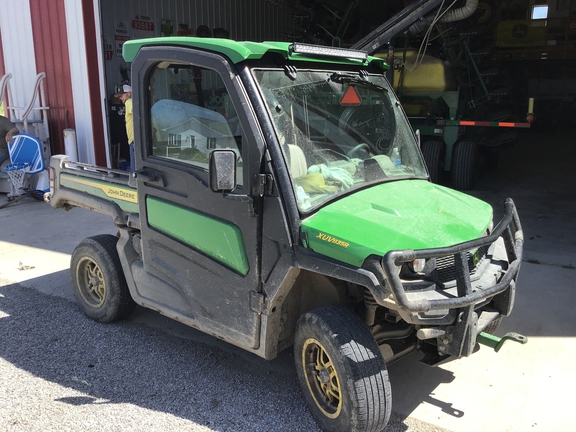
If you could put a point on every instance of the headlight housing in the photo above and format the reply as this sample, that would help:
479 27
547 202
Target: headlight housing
417 265
418 269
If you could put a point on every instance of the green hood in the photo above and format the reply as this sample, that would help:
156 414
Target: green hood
407 214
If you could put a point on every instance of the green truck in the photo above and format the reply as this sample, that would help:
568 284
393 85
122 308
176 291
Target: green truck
280 199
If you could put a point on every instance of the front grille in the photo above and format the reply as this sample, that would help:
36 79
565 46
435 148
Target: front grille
446 270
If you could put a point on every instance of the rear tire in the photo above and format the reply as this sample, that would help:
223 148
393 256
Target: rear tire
433 152
341 371
98 281
464 165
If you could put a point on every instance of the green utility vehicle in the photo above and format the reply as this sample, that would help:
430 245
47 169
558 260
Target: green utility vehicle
280 199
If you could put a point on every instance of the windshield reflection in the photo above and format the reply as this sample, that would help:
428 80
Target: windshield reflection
339 131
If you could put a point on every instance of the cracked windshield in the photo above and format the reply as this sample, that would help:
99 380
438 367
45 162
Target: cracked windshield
339 132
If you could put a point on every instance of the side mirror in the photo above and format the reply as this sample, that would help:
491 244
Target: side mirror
418 140
222 170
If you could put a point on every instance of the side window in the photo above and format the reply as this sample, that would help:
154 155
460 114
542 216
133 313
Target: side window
191 114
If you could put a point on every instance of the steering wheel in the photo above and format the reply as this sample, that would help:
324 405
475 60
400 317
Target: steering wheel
328 155
364 146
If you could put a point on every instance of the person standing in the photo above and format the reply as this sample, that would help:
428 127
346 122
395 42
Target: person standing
7 132
125 95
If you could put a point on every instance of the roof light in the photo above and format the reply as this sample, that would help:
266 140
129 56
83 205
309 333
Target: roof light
327 51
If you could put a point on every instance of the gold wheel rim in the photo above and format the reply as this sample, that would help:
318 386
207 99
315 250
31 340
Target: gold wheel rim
91 283
322 378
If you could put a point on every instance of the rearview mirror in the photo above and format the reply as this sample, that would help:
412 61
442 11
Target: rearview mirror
222 170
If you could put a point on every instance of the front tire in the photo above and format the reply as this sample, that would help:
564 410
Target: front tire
341 371
98 281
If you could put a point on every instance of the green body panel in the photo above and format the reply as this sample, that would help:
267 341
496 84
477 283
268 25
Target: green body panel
218 239
407 214
240 51
125 196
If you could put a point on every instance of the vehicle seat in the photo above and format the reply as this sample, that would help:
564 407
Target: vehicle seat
297 166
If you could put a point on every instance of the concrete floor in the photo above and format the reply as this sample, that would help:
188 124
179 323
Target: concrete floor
523 387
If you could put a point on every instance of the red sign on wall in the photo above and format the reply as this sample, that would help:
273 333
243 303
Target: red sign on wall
142 25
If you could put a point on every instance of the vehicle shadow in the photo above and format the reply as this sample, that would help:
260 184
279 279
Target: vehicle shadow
127 363
191 375
414 383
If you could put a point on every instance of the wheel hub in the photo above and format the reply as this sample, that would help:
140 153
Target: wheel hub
92 286
322 378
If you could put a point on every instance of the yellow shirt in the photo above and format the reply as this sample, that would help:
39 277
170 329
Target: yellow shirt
129 121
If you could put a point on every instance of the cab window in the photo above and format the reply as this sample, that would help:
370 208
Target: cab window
191 114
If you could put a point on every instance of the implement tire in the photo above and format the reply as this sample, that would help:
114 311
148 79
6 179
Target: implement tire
98 281
433 152
341 371
464 165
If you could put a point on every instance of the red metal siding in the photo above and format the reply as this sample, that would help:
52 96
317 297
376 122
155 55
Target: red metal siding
51 53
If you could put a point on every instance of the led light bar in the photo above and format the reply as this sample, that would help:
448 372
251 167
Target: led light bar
327 51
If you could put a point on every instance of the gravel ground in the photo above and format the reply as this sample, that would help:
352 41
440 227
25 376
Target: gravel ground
60 371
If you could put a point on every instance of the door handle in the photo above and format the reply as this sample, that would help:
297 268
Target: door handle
146 175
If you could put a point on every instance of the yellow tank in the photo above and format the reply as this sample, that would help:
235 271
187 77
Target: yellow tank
431 76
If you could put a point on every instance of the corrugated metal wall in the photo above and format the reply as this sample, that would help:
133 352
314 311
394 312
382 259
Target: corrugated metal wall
255 20
51 51
18 47
2 70
87 71
41 44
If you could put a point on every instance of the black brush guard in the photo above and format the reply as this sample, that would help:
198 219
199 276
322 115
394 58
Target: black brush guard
508 228
459 337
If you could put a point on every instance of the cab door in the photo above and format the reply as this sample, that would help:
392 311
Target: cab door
200 249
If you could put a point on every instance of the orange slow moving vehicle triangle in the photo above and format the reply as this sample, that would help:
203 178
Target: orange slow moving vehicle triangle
351 97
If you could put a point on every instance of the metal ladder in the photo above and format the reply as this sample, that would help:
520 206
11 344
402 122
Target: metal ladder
30 119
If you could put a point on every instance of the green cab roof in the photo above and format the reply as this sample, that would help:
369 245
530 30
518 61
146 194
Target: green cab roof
240 51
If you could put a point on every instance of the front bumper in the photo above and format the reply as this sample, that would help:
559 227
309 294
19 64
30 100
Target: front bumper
454 314
508 231
449 315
